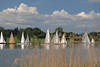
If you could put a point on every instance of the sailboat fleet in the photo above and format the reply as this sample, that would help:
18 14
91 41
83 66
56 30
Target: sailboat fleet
55 41
86 41
24 42
12 41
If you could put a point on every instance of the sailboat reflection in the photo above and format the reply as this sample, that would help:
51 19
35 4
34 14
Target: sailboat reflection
1 46
11 46
22 46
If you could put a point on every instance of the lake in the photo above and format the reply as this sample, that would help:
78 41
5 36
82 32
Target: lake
37 56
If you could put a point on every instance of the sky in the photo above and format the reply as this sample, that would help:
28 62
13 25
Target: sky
71 15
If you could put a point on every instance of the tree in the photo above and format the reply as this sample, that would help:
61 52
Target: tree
38 32
1 28
59 29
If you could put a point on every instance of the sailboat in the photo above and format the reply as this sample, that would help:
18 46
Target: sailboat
22 41
63 41
27 41
11 41
86 40
47 40
92 42
22 38
2 41
56 40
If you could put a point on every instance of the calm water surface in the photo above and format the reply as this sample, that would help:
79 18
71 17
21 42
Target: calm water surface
7 56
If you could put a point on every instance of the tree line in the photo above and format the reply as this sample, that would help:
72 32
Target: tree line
37 33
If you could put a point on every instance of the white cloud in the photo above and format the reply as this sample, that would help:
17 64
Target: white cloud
90 15
60 13
9 10
82 14
25 16
23 8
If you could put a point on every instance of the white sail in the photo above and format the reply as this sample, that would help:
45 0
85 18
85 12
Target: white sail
47 38
63 40
2 38
27 41
22 38
56 39
86 40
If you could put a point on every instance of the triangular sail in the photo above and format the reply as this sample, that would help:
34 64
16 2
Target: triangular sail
27 39
47 38
22 38
11 40
86 40
56 39
63 40
2 38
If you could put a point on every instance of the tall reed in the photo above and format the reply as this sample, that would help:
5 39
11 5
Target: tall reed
68 57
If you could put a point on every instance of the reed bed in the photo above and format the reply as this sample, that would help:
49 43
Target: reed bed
69 57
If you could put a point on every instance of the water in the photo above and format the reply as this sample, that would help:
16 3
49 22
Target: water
8 56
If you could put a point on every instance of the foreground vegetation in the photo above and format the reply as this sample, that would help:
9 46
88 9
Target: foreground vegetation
60 58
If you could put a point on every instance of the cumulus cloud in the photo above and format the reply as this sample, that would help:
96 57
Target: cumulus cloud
60 13
82 14
26 16
23 8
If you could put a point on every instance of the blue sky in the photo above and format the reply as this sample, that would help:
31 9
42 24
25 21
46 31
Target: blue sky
48 6
72 15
